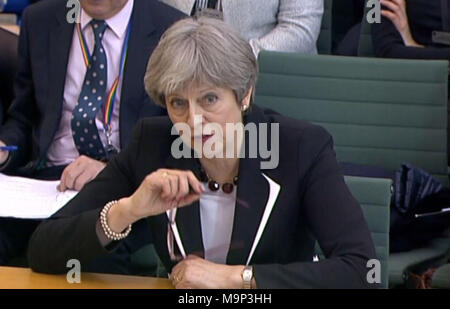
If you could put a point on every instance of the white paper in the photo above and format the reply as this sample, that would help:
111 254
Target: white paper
30 198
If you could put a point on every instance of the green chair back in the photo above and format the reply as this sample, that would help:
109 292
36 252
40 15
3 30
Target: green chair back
374 196
380 112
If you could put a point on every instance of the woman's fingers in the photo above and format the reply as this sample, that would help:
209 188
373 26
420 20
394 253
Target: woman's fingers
400 3
183 186
177 185
188 199
194 182
391 5
389 15
164 185
173 179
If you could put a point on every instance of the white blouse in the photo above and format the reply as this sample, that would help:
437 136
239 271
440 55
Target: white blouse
217 217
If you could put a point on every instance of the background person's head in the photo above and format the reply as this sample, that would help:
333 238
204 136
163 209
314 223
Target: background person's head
202 67
102 9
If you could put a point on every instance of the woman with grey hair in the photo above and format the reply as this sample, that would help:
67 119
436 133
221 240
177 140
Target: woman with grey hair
217 221
278 25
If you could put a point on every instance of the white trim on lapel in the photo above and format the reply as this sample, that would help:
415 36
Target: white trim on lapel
273 195
176 234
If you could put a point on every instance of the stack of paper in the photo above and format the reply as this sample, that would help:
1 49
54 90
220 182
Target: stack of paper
30 198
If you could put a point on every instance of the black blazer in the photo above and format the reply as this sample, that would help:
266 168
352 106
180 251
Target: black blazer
44 47
424 17
8 68
311 202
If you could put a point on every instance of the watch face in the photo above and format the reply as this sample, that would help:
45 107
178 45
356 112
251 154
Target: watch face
247 274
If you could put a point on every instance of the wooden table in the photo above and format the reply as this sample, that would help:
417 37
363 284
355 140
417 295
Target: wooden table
11 28
24 278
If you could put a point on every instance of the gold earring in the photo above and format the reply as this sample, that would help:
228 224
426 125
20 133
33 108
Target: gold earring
244 107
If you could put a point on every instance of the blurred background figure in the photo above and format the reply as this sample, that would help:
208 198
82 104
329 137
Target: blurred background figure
281 25
346 14
13 9
406 29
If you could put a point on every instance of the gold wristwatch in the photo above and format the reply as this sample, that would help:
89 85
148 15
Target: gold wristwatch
247 277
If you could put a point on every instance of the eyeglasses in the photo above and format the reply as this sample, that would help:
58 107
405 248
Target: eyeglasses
171 214
170 237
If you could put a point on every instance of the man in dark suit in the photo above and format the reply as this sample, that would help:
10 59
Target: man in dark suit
8 69
64 65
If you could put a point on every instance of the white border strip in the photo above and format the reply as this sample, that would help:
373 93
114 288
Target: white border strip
273 195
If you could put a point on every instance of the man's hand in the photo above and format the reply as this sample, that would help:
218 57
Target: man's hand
395 11
3 154
197 273
80 172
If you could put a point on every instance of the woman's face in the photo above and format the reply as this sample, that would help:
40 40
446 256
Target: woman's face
206 110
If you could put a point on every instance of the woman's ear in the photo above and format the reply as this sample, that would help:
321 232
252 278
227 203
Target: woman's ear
245 104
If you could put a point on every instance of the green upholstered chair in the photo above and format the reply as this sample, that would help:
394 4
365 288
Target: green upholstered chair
324 41
380 112
374 196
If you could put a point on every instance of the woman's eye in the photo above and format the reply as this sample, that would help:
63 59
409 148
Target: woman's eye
177 103
210 99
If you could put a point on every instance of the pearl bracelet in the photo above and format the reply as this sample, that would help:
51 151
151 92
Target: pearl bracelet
110 234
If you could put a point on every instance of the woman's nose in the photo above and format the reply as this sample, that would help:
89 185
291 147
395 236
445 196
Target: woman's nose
195 116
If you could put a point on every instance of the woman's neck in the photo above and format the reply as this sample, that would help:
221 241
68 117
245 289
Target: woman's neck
221 170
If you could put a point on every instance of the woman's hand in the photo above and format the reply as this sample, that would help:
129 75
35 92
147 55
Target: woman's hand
161 191
197 273
395 11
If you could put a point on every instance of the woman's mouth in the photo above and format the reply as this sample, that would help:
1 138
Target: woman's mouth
203 137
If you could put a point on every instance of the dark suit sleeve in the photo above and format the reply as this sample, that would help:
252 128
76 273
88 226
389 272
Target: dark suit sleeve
71 232
388 43
335 219
1 112
17 129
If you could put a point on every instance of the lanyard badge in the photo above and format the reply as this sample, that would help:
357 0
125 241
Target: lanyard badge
110 99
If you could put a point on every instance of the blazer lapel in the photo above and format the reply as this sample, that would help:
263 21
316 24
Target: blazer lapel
252 195
188 218
60 40
256 197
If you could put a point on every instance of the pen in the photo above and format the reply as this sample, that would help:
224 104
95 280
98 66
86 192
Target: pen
8 148
444 210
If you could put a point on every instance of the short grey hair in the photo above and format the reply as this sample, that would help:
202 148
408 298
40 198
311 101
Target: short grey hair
202 50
